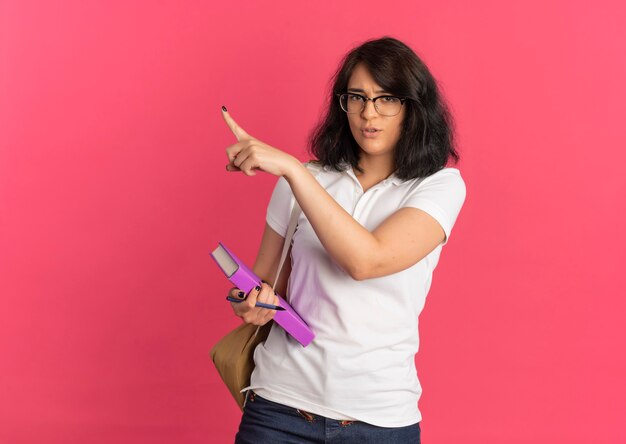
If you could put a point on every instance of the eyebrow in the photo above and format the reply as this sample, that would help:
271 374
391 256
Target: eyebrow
363 91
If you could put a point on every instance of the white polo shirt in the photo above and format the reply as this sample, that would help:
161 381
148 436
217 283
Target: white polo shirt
361 364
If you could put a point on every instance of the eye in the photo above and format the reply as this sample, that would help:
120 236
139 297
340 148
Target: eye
390 99
354 98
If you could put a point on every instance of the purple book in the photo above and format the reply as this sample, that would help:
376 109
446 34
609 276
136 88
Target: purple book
244 278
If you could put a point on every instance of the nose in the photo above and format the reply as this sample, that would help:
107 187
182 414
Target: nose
369 110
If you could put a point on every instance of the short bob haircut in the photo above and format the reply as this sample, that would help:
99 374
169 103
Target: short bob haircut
426 142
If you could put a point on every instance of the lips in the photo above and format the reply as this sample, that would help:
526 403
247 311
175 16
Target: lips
370 132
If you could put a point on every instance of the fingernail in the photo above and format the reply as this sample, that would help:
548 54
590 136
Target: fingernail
241 294
257 288
224 108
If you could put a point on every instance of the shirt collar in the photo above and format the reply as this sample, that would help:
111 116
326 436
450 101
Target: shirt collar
393 178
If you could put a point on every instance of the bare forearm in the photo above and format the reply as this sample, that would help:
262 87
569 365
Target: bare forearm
345 240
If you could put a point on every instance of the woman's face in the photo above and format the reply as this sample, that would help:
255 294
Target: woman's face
384 140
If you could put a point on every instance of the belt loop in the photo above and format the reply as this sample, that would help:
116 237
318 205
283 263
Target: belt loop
306 415
248 397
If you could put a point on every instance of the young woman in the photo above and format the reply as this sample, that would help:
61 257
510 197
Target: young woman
373 224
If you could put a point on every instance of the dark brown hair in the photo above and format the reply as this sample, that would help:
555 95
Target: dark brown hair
426 143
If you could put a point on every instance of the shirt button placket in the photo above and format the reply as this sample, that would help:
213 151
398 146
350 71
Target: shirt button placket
358 194
359 201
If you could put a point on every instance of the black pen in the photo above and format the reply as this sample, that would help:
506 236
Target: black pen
258 304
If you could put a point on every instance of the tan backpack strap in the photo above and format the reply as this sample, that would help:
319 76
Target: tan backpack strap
293 221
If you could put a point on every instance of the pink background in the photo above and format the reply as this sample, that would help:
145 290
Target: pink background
113 191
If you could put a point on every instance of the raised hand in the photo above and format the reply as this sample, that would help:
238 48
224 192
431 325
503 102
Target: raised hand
250 154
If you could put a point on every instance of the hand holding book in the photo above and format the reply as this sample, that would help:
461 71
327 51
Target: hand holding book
245 279
250 308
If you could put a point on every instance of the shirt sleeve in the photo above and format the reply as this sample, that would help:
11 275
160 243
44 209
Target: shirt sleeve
279 207
441 195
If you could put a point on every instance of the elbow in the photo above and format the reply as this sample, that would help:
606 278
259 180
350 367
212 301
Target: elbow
362 266
359 272
360 262
358 276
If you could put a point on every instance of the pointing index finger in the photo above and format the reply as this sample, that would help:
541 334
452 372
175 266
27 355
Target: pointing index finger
238 131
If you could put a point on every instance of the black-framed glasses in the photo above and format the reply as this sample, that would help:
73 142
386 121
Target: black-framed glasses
387 106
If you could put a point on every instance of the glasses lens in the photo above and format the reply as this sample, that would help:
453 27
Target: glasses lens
351 103
388 105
